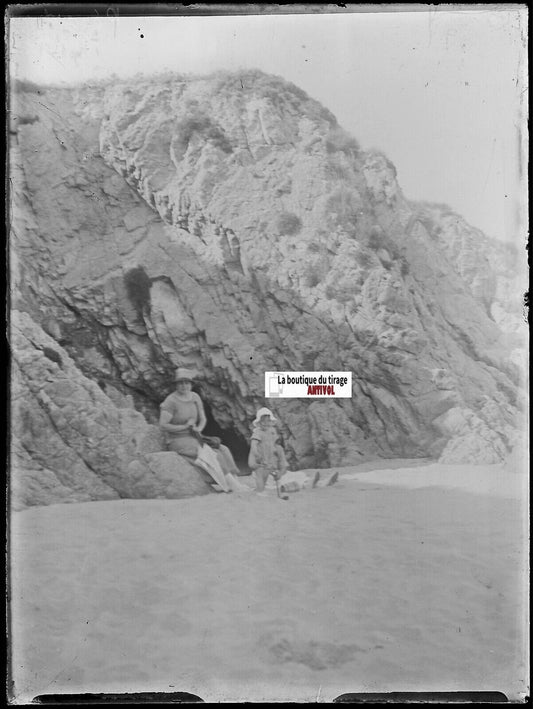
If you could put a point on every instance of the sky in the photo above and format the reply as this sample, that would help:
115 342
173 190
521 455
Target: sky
443 93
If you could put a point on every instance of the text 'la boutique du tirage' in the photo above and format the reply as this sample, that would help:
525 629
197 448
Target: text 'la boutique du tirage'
308 384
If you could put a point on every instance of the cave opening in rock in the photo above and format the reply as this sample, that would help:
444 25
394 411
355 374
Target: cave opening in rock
230 437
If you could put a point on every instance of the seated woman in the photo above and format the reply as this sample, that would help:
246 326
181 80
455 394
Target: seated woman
183 418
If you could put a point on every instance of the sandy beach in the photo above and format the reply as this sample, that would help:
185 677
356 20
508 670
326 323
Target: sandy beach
408 578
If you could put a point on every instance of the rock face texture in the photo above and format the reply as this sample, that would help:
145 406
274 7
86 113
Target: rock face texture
229 224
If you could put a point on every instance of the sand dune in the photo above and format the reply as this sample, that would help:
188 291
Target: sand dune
371 585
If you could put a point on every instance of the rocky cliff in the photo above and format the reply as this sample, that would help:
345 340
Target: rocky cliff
229 224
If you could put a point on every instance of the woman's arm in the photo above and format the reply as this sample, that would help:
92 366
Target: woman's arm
165 417
201 419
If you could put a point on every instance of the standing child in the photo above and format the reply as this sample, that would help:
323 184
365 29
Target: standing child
266 455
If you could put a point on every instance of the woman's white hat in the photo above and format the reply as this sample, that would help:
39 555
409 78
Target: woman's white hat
184 375
263 412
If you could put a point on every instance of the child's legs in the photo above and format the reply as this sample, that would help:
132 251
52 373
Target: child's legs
261 475
281 460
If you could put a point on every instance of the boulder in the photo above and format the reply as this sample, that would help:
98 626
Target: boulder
176 476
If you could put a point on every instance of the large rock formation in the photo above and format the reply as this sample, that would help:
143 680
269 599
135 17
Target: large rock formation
228 223
70 442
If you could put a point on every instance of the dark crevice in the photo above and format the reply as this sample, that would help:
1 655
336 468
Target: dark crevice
231 438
